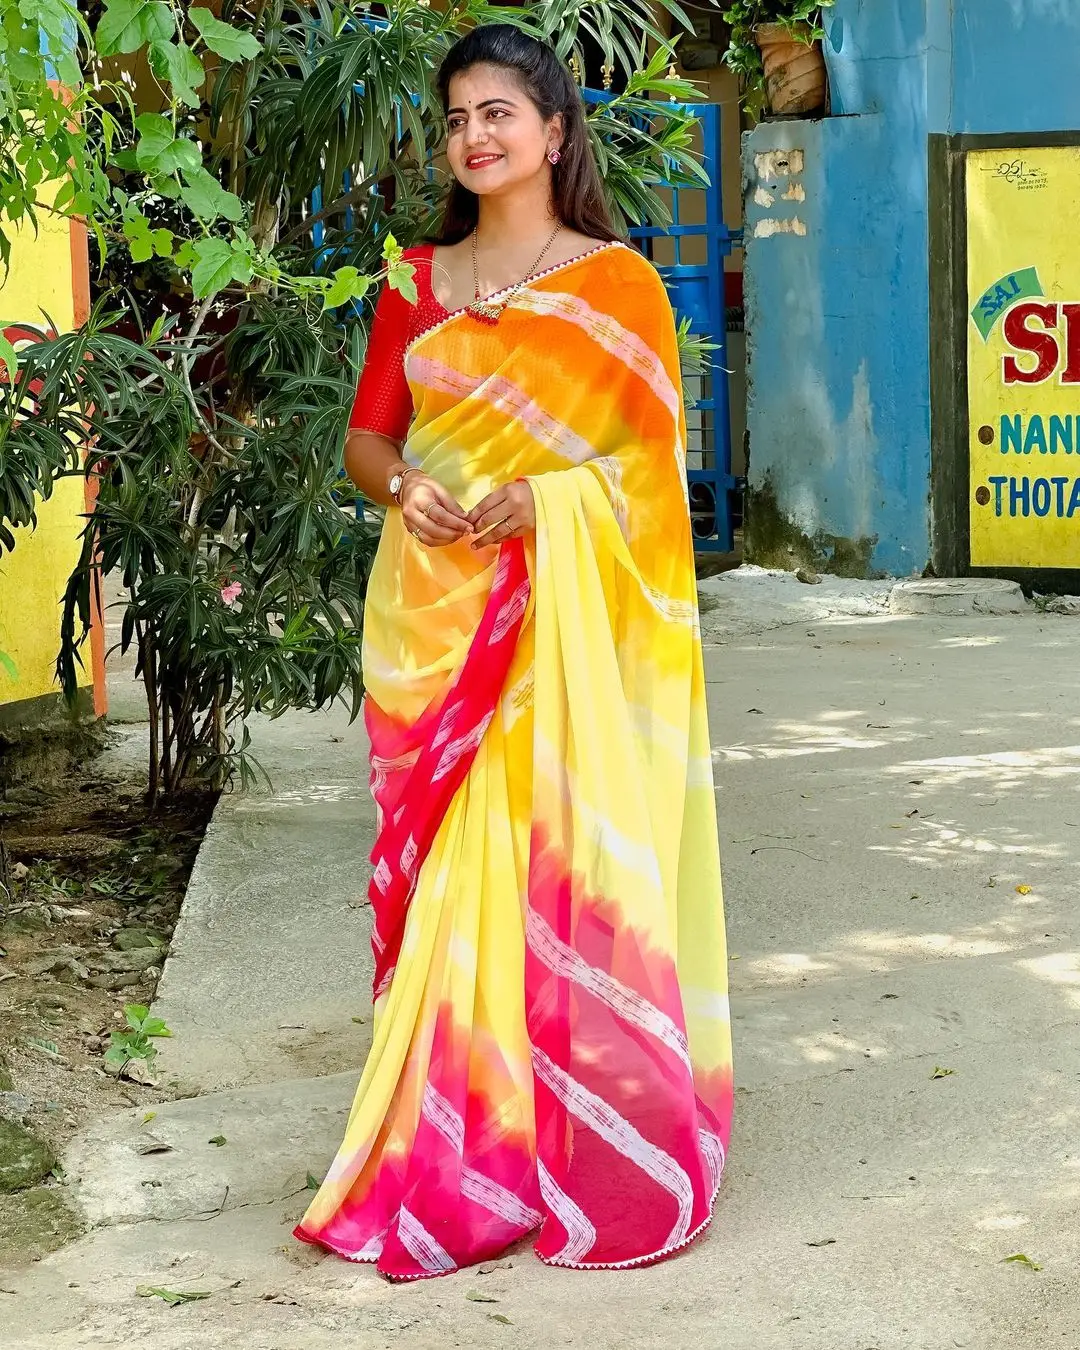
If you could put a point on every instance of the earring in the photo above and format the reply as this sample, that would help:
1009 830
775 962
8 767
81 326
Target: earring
554 156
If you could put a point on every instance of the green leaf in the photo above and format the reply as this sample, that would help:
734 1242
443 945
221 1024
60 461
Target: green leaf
218 263
313 1182
1022 1260
173 1297
160 151
186 257
500 1317
348 283
228 42
400 278
140 240
939 1072
475 1296
128 25
135 1014
178 64
9 357
205 198
213 266
218 1140
163 242
391 250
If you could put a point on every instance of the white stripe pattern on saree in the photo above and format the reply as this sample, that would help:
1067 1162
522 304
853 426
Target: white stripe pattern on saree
481 1190
594 1112
425 1250
626 1003
580 1234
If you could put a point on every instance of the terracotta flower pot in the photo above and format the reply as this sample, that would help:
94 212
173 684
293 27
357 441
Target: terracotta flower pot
794 64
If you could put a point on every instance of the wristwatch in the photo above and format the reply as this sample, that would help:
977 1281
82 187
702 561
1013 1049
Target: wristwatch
397 482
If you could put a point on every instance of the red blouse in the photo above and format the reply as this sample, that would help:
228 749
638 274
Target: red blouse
383 403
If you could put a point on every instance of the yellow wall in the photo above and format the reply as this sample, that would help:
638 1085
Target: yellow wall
33 577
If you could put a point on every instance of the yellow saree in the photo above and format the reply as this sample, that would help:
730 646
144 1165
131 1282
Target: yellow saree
552 1044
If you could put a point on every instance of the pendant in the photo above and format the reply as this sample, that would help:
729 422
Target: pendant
485 312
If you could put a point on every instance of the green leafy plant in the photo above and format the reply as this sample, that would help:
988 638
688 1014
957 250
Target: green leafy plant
802 18
137 1041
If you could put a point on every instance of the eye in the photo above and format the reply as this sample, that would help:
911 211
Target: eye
455 123
498 112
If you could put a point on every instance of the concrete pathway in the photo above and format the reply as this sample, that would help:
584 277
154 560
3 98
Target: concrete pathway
901 825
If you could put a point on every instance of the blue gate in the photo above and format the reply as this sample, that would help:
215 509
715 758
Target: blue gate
692 266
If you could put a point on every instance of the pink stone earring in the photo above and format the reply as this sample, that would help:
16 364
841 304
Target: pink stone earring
554 156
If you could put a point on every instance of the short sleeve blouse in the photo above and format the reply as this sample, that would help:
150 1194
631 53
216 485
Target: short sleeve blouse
383 403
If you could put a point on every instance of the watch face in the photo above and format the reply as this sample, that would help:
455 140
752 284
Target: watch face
395 484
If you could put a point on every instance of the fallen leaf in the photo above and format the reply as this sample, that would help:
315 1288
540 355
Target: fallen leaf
1021 1260
283 1300
939 1072
756 710
500 1317
148 1117
359 1020
475 1296
218 1140
313 1182
913 813
822 1242
493 1266
173 1297
292 1026
1023 890
879 726
890 996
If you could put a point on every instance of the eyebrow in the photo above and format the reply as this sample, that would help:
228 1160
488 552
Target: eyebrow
486 104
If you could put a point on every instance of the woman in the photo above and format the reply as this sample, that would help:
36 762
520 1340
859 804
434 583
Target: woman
552 1046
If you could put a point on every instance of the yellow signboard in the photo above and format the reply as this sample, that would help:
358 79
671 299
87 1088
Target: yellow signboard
1024 356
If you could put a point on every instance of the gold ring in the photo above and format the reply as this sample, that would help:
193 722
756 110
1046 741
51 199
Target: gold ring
416 535
428 511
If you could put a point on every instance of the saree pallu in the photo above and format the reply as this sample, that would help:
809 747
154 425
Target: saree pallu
552 1043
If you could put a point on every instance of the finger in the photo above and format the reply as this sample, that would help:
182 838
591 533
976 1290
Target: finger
449 505
493 506
437 534
440 515
494 534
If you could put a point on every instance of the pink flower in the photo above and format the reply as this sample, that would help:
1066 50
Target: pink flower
230 592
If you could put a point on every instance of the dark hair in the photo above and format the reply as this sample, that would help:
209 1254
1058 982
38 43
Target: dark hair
579 195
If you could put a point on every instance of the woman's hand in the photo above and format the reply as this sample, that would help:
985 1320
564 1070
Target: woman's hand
431 515
507 513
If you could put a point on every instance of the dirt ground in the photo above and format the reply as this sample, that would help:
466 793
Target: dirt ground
90 889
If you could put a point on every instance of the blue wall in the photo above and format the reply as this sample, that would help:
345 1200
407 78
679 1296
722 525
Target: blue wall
837 277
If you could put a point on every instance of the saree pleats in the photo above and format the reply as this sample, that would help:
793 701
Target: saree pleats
552 1044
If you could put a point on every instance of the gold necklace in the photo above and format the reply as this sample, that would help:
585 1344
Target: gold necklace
488 311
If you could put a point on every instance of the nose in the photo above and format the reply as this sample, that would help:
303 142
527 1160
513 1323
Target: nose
475 132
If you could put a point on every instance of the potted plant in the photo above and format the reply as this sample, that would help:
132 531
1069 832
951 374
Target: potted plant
775 49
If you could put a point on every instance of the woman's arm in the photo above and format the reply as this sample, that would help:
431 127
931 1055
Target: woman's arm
431 514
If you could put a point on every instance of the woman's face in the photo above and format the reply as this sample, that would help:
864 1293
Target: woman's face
497 139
